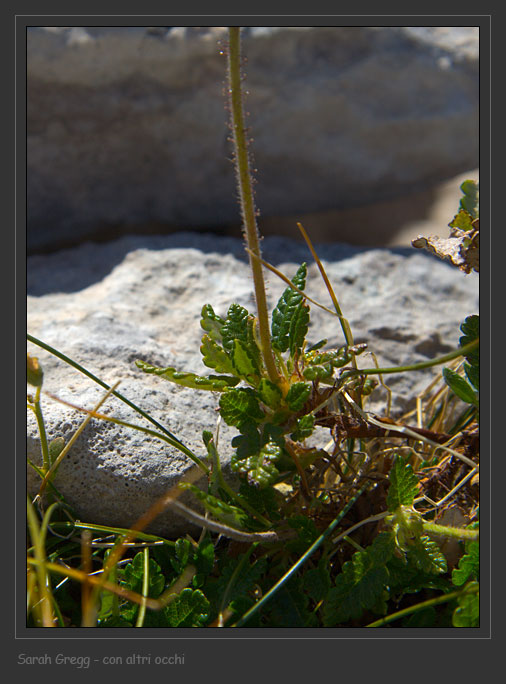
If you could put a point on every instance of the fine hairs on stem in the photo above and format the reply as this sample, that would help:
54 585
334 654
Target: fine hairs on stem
247 201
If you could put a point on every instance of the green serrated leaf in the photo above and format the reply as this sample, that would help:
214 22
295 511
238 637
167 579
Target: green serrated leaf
337 358
249 442
269 393
213 383
323 372
469 565
240 406
224 512
471 200
361 584
304 428
473 375
189 609
133 576
260 468
262 500
471 328
471 331
405 578
244 363
299 326
288 311
251 342
460 387
403 485
426 555
211 323
235 327
463 220
467 614
297 395
214 356
182 549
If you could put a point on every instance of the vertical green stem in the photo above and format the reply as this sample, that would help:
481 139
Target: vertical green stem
246 197
42 432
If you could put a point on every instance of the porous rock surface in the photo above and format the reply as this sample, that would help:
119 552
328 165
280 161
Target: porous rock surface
127 125
140 298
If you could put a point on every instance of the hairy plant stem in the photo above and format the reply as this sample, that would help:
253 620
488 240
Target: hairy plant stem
452 532
247 201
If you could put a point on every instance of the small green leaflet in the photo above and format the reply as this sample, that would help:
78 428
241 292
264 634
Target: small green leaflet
471 329
182 551
244 363
299 326
240 326
239 406
473 375
323 372
290 318
269 393
460 387
214 356
463 220
260 468
469 564
297 395
235 327
321 366
211 323
189 609
425 555
337 358
133 575
468 612
304 429
360 586
214 383
403 485
471 200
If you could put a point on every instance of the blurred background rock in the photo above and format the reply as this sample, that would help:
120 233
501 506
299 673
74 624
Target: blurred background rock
361 133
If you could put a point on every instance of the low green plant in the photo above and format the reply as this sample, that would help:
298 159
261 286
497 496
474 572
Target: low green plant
319 535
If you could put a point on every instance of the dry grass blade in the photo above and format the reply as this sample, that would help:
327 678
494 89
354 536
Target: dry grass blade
344 323
79 430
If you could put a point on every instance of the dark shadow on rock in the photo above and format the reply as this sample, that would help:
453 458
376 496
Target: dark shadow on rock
72 270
